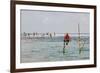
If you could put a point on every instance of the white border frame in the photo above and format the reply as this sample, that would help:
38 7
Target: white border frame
59 63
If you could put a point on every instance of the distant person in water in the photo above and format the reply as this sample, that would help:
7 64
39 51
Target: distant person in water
54 34
50 35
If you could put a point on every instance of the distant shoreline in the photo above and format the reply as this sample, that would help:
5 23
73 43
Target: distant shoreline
56 35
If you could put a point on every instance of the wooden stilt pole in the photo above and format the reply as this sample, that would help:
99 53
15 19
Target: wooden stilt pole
64 48
79 45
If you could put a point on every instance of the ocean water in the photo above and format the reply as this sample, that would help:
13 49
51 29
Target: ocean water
46 49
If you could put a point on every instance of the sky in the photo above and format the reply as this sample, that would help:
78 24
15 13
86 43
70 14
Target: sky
54 21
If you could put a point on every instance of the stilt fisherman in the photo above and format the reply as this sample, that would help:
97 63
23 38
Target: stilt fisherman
67 38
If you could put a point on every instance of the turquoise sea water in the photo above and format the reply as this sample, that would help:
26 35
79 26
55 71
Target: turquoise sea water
51 49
